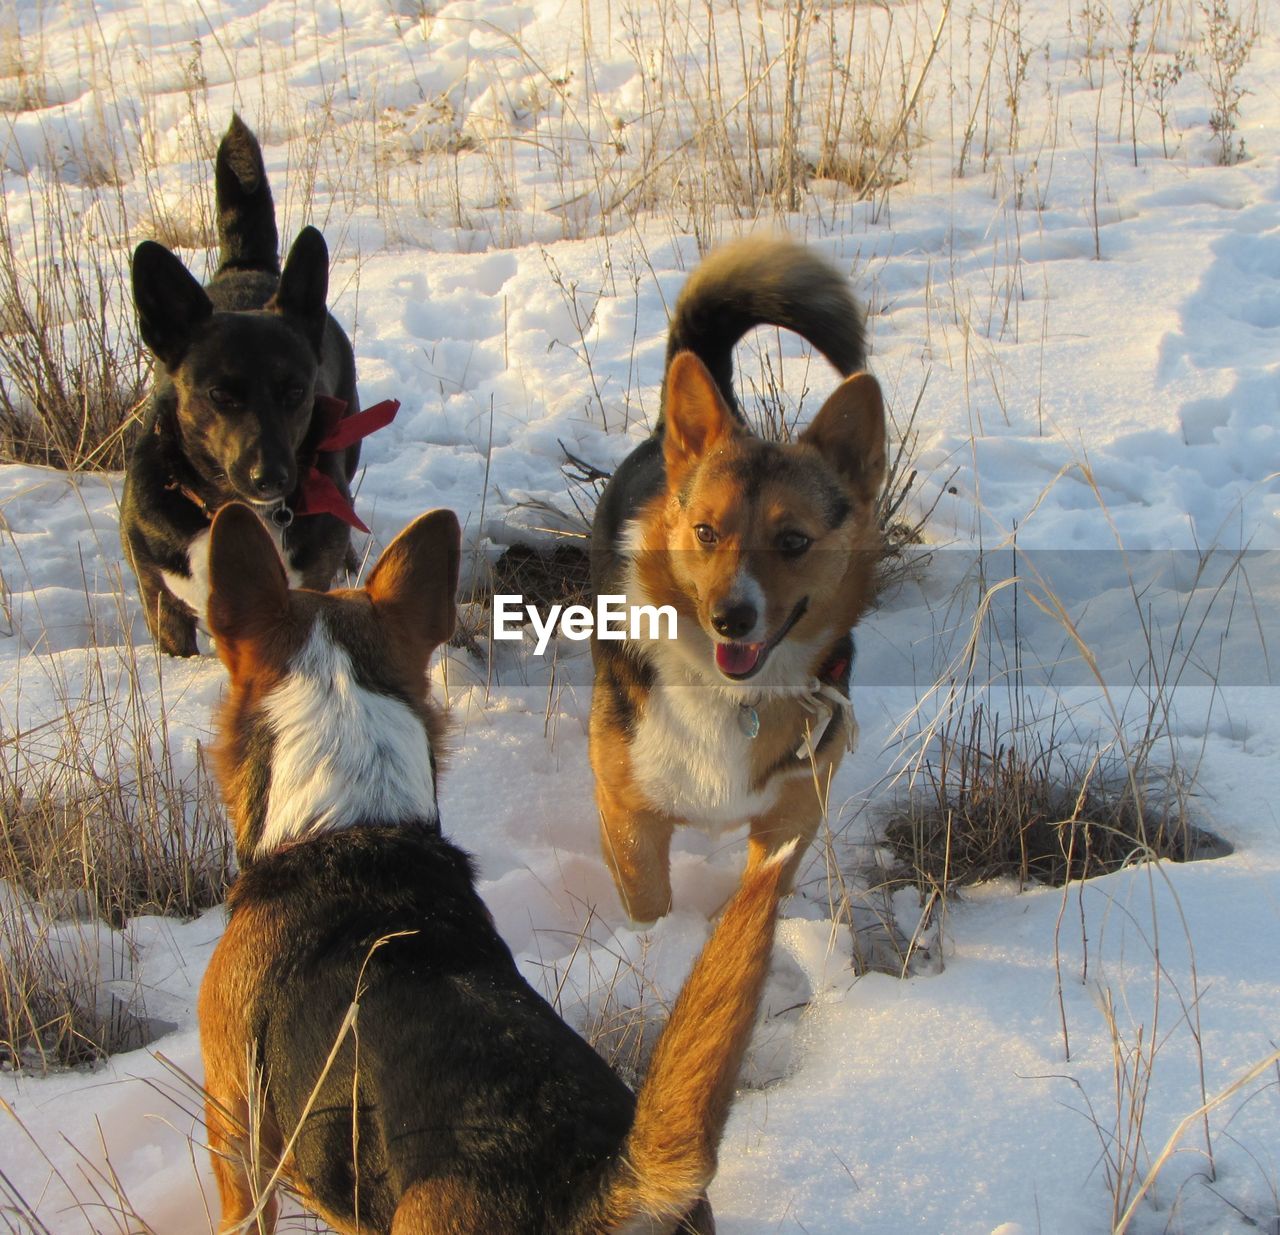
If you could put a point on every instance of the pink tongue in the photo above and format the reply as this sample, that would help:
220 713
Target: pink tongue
737 658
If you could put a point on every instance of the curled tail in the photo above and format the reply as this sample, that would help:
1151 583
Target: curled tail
246 214
770 281
669 1156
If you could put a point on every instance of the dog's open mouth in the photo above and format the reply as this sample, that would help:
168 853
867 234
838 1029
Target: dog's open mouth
740 661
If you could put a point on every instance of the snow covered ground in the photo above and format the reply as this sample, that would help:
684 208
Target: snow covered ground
513 195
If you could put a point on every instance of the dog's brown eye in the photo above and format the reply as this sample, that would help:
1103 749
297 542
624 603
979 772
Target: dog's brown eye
793 544
705 533
221 396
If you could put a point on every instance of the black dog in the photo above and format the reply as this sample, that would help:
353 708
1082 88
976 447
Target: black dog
252 377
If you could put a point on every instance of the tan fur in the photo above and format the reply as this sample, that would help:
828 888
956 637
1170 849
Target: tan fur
446 1206
235 972
682 1108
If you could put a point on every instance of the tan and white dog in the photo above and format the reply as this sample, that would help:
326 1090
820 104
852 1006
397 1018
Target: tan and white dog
765 550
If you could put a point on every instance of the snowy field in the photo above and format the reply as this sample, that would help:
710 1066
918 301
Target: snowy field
1084 301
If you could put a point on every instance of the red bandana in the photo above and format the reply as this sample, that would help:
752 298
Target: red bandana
316 493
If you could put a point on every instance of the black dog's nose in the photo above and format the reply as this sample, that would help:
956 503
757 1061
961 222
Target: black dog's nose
733 621
268 481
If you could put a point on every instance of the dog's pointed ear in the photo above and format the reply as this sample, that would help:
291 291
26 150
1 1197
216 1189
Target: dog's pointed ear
171 304
695 414
415 582
304 285
248 587
849 432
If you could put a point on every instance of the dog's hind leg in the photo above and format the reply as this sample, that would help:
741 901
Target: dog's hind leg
245 1142
449 1206
243 1158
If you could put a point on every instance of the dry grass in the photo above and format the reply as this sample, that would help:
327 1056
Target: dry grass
132 838
620 1012
1012 796
1001 785
68 995
822 98
100 825
72 372
1227 43
559 575
842 96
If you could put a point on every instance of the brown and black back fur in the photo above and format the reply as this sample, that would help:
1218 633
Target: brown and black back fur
456 1102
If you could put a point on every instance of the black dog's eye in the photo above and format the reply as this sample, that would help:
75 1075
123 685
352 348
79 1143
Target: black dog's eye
220 396
293 393
705 533
793 544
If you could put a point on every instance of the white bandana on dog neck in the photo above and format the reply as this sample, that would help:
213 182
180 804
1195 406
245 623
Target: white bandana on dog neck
827 699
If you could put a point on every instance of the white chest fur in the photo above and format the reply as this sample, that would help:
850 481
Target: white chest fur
193 587
691 754
692 757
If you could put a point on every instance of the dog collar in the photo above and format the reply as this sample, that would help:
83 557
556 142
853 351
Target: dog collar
176 486
829 694
825 695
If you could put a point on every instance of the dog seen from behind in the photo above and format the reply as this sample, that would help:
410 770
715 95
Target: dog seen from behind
765 550
363 1026
251 373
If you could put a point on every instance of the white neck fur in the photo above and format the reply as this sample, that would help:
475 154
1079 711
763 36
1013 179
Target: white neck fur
343 754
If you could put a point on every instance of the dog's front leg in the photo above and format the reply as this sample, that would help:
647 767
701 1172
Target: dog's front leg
637 847
171 623
796 814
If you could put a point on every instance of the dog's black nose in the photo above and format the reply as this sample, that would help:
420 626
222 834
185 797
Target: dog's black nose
269 481
733 621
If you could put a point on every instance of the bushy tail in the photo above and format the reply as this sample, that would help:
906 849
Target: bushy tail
766 281
246 214
670 1153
